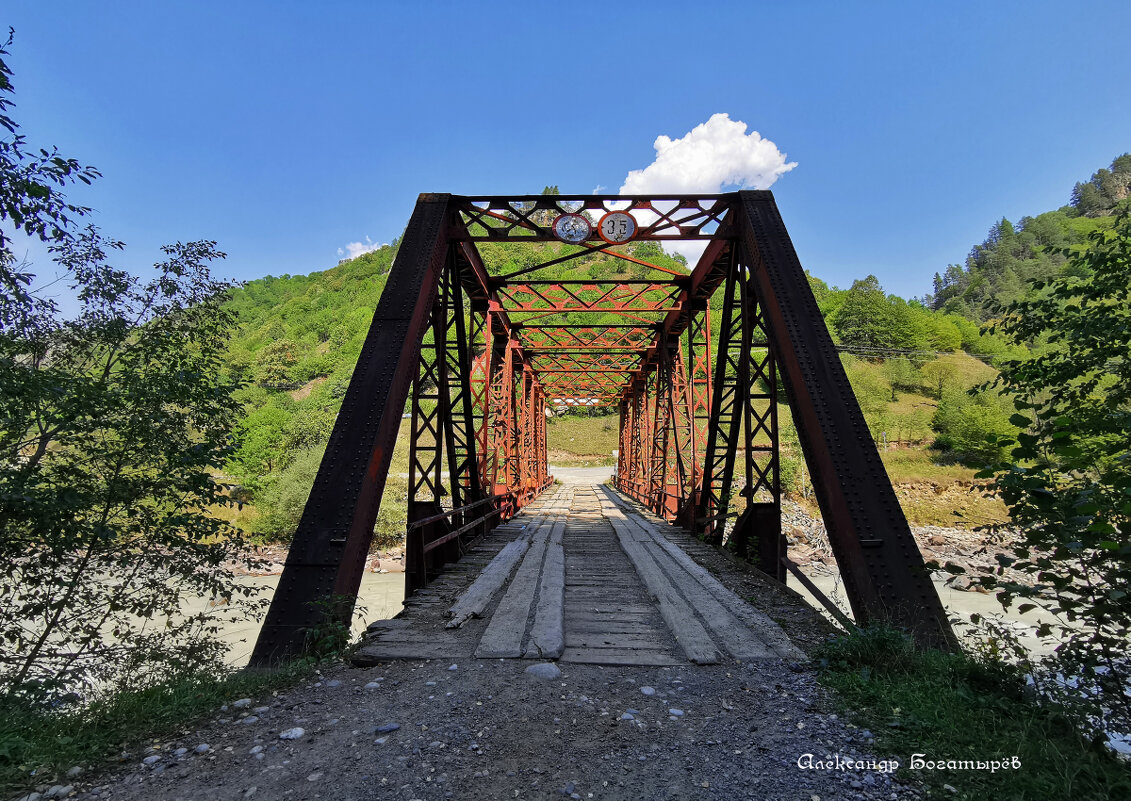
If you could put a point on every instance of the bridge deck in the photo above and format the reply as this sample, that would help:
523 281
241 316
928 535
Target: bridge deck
579 576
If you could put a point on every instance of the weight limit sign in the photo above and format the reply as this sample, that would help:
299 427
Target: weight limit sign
616 227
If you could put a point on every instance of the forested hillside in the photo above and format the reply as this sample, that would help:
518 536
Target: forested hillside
912 363
1001 267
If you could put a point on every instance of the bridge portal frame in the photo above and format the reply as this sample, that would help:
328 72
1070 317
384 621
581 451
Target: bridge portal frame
479 357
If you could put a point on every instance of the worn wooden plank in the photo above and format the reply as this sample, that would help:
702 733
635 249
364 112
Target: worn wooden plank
478 596
390 623
427 636
369 655
728 630
647 641
588 610
609 627
507 630
618 656
765 628
686 629
507 627
546 633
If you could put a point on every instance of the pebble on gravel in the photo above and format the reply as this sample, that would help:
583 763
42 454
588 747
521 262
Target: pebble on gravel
313 777
381 741
332 683
203 748
243 703
292 734
676 712
388 727
151 760
453 667
544 670
250 719
373 685
257 749
648 690
59 791
180 752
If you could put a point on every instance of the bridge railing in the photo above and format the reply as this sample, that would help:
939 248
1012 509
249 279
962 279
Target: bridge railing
436 539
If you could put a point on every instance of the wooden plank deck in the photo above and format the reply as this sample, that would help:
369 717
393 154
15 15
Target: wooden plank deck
579 576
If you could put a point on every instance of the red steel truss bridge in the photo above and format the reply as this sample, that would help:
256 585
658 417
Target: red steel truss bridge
695 364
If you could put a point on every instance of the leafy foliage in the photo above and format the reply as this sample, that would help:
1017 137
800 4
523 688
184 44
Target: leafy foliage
973 426
111 426
1101 195
868 318
1068 484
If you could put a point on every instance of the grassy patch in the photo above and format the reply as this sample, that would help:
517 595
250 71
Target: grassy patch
51 742
919 465
583 439
954 707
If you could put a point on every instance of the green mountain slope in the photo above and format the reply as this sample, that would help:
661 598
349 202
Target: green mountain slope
1012 255
300 336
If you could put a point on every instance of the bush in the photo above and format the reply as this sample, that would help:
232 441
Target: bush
282 504
952 706
972 426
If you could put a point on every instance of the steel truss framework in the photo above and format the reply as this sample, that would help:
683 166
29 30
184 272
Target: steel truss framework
694 363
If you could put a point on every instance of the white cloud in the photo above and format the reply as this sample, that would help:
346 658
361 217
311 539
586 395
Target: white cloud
715 155
355 249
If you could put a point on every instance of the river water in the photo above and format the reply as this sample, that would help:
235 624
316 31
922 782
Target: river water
381 596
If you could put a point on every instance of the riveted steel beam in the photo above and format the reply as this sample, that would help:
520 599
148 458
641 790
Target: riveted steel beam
327 557
883 571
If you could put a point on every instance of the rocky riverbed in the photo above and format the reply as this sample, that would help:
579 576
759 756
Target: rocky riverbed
971 550
270 559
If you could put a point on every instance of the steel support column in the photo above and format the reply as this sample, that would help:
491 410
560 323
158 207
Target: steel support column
327 556
883 571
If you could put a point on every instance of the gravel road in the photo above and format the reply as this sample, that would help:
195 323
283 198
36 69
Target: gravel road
492 730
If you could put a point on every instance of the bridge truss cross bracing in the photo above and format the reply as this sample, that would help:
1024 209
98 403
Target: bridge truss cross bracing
695 363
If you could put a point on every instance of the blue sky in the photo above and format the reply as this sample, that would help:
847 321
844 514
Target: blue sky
287 130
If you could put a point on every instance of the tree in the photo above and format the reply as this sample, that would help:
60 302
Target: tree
973 427
863 317
901 373
939 375
111 427
1068 484
1107 187
275 363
